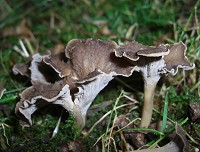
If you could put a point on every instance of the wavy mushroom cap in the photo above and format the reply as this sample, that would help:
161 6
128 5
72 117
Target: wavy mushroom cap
129 50
47 91
38 95
134 50
90 55
177 58
172 56
59 63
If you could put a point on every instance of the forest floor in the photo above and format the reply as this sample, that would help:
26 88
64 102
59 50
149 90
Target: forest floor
29 27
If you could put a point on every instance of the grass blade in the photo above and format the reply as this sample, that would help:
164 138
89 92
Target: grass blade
164 121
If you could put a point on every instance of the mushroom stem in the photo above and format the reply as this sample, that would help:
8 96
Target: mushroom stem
79 117
148 104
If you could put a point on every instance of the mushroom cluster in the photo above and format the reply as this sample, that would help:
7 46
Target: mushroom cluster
73 77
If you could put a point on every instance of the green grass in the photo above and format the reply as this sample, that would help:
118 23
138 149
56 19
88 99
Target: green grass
49 23
164 120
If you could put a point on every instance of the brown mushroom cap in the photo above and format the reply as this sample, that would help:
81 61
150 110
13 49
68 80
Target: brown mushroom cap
129 50
90 77
153 51
59 63
40 95
177 58
173 56
87 56
133 50
47 90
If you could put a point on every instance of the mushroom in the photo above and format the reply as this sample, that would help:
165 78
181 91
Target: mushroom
36 69
93 65
89 67
38 95
153 62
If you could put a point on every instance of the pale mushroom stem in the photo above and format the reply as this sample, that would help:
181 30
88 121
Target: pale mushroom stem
148 104
79 117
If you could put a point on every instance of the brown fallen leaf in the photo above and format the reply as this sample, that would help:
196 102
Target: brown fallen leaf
72 146
194 109
136 139
178 143
20 29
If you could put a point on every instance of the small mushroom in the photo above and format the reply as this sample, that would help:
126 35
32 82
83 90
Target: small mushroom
38 95
37 69
153 62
